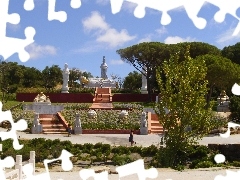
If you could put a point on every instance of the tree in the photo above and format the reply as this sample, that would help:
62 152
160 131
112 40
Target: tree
87 74
74 76
183 94
32 77
222 73
133 81
52 76
152 54
232 53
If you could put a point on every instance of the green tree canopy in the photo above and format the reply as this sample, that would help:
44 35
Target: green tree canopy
222 73
232 52
133 81
182 92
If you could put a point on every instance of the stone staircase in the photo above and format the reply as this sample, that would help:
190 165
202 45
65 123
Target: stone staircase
52 124
154 126
102 95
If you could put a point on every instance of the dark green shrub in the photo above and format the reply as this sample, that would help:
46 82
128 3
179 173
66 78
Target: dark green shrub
205 164
149 151
120 160
120 150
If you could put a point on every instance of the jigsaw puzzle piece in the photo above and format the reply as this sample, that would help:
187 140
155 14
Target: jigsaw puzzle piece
75 4
7 49
225 7
6 18
116 6
29 5
137 167
192 8
12 134
7 162
87 173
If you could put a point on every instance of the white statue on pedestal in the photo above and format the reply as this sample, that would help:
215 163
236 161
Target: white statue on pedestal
40 98
77 125
144 80
36 127
144 124
65 73
104 69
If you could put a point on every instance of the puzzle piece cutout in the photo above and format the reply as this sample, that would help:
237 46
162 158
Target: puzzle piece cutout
192 9
67 165
60 15
7 162
88 173
137 167
8 45
12 134
227 133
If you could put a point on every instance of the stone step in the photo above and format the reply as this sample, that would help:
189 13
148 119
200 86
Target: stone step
54 130
46 115
53 126
155 124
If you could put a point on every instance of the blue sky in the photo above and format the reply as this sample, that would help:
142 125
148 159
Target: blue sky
93 31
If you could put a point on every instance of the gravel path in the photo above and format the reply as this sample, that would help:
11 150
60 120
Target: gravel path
122 139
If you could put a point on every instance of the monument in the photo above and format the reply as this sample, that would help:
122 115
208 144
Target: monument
144 124
36 127
65 74
104 67
77 125
144 80
42 105
102 82
223 102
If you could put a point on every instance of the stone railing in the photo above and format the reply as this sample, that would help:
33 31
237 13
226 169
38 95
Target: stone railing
18 167
62 119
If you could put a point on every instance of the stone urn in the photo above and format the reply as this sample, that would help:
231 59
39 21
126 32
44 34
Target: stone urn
92 114
123 114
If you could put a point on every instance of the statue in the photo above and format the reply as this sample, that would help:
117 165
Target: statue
144 120
144 124
36 127
104 69
77 125
40 98
144 80
65 74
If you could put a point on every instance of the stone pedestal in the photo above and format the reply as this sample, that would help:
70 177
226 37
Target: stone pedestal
144 81
144 124
43 108
77 125
36 127
223 102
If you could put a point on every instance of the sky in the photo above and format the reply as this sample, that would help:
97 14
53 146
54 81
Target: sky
93 31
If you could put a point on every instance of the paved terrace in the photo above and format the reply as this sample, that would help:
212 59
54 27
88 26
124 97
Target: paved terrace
122 139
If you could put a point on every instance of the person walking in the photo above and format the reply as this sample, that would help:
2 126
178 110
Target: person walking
131 138
69 130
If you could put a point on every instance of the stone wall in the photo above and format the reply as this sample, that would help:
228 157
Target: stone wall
84 97
58 97
230 151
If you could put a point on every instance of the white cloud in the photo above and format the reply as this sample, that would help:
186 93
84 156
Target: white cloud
103 31
114 38
37 51
148 38
227 37
177 39
161 30
95 22
116 62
